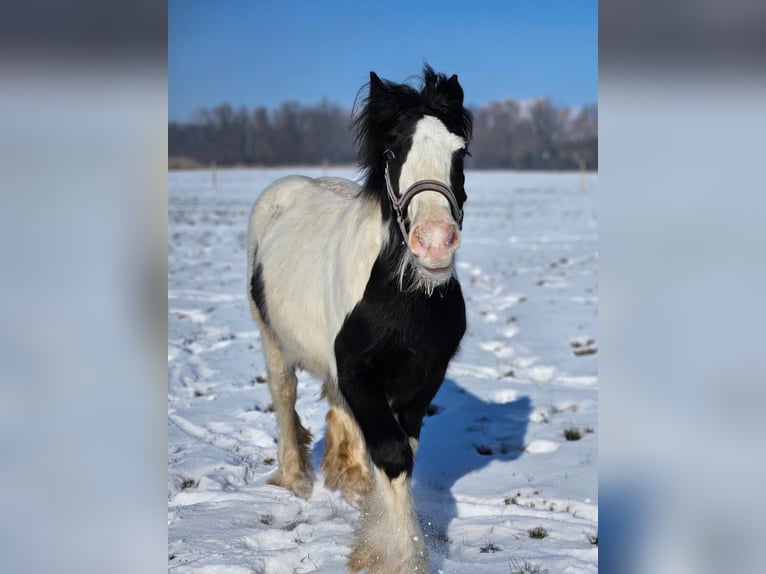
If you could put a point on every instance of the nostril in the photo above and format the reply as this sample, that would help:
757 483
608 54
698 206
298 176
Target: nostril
453 239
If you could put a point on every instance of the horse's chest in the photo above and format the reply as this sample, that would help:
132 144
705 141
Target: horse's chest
403 341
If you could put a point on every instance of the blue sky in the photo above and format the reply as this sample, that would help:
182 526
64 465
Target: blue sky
265 52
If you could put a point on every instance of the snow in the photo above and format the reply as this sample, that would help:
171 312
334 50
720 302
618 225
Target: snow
493 461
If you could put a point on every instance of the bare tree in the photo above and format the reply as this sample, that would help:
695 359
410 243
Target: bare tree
507 134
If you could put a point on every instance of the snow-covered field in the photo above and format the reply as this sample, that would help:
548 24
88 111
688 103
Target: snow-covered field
497 467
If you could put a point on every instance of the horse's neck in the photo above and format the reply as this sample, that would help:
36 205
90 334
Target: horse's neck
375 188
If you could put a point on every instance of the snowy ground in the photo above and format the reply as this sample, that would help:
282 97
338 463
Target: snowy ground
496 460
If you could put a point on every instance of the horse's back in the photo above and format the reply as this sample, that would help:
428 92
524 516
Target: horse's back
315 241
302 196
339 186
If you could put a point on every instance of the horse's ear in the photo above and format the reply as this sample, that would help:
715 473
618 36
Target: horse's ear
377 87
454 91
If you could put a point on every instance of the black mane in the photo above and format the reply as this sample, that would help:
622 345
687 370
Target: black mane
390 110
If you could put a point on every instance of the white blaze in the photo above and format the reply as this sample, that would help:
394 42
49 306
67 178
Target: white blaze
430 157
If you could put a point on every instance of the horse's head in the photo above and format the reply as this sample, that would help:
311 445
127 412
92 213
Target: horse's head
415 141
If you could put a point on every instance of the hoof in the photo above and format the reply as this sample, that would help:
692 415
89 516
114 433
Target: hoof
356 492
301 485
354 484
386 563
355 497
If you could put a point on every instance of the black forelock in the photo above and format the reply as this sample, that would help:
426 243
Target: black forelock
388 108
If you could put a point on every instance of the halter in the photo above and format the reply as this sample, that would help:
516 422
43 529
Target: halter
400 204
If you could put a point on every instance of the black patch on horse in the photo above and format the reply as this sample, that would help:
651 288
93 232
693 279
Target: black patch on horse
257 289
392 354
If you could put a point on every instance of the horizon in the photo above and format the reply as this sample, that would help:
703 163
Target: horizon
520 51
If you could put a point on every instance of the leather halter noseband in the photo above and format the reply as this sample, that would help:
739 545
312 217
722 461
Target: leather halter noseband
400 203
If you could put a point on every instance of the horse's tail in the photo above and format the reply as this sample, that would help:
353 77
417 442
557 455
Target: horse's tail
256 291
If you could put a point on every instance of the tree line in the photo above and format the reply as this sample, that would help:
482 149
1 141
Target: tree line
534 135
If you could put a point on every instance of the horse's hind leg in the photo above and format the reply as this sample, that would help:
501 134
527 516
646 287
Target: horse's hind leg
295 472
345 458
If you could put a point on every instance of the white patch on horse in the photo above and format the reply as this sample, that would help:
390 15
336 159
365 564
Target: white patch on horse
309 233
430 157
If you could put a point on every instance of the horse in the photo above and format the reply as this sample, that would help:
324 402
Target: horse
356 283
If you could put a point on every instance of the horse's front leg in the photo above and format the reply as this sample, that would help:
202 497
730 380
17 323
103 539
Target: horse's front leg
387 443
345 458
389 539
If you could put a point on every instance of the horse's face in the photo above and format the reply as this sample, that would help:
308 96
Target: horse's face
433 234
422 137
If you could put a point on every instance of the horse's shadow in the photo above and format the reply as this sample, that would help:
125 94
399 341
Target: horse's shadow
461 434
464 437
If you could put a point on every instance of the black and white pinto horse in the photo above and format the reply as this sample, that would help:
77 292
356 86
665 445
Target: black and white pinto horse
357 285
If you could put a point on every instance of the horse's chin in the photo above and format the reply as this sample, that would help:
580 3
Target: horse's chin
436 276
415 276
438 272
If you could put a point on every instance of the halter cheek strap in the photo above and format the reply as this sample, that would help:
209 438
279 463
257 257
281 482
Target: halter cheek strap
400 203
